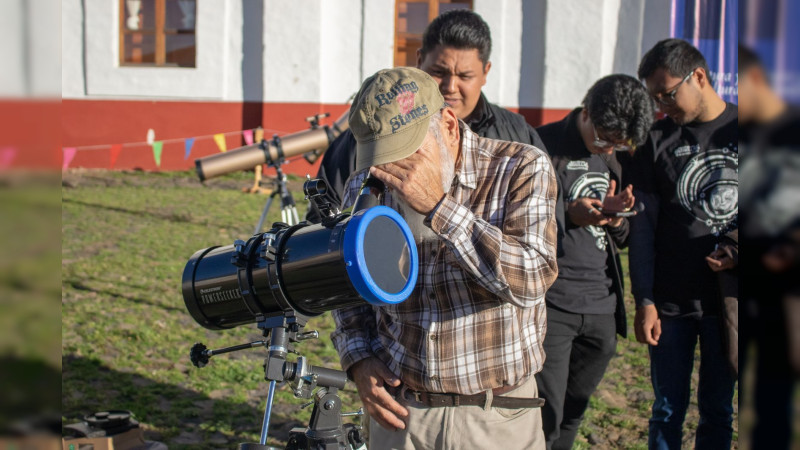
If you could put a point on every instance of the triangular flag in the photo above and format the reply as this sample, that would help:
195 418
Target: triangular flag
114 154
157 147
7 156
259 134
248 136
187 144
69 153
219 138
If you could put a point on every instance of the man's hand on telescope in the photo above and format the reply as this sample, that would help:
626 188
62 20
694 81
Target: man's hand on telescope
370 375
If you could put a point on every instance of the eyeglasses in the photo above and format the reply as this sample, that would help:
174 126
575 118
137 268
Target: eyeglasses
601 143
668 98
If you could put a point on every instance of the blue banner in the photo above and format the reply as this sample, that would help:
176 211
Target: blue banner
711 26
769 27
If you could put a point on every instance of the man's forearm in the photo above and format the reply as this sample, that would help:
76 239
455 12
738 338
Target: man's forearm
355 329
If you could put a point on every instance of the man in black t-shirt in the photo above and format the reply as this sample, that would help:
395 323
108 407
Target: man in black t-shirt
455 52
585 304
687 177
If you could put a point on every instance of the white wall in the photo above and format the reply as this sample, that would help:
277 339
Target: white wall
71 49
378 47
12 52
546 53
31 58
323 51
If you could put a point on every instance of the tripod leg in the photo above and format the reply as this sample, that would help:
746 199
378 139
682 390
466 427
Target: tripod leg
289 215
264 213
267 413
285 217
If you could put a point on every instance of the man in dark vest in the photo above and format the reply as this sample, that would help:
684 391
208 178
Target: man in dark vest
455 52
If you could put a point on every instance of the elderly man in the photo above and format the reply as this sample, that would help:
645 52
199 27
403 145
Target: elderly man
455 52
452 366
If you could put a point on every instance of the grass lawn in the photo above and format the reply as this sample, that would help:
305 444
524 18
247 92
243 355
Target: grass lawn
126 335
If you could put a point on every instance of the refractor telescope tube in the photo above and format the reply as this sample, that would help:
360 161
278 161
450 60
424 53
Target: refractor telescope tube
269 152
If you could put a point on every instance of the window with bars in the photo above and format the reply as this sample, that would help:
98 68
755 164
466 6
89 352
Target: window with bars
411 18
158 33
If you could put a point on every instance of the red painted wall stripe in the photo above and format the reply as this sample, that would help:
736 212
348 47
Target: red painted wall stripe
107 122
26 133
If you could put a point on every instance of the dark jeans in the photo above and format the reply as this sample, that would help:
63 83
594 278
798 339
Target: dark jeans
671 364
577 350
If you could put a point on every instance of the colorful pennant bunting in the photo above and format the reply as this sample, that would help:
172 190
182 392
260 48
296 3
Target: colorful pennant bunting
114 154
187 145
69 153
157 147
219 138
7 155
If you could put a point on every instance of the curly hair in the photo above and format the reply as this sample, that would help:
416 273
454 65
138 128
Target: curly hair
621 106
461 29
677 56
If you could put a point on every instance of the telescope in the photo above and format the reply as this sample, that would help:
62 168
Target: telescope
280 278
303 270
272 152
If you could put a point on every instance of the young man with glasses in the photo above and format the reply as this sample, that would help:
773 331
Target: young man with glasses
585 306
686 175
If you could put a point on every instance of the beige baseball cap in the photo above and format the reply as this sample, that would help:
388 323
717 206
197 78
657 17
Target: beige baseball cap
390 115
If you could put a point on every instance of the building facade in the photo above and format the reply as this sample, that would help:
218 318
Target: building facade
195 69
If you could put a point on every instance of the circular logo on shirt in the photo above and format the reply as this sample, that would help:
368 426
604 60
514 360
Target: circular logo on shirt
593 185
708 188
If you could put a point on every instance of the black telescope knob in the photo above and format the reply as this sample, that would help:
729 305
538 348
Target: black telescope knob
198 355
238 258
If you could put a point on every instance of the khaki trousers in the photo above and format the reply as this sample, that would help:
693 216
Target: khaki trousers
465 427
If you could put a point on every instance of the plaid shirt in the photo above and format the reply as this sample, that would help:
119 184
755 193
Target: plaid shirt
476 318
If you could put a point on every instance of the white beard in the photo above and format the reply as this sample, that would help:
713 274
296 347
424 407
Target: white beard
448 167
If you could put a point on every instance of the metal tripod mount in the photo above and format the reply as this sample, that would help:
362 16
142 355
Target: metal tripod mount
288 207
325 430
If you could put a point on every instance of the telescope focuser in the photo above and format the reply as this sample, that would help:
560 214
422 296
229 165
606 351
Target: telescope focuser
315 191
314 120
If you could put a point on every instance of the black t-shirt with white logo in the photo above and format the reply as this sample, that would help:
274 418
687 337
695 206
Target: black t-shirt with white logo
583 285
694 172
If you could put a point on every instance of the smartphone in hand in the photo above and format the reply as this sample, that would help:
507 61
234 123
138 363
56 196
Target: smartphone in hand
637 208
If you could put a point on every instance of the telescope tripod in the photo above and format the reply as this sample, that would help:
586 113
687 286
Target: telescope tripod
325 430
288 206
